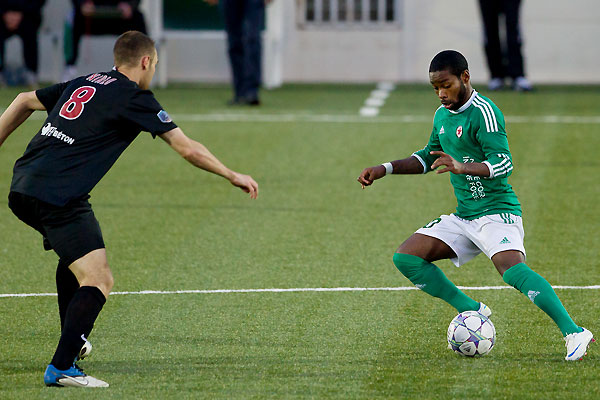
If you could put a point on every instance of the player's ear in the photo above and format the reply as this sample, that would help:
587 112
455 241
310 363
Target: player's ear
465 76
146 62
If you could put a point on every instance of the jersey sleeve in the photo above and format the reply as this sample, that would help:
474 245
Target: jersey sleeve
147 114
494 142
423 155
50 95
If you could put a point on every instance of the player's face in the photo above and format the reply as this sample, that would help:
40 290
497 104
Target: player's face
451 90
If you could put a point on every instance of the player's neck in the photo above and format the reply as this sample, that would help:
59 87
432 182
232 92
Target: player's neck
466 97
132 73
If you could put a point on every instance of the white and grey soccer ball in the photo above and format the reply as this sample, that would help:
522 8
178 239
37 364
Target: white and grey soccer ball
471 334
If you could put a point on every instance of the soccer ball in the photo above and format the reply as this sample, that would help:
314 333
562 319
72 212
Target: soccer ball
471 334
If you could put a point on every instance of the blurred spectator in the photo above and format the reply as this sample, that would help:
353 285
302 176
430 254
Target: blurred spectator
244 20
503 61
22 18
99 17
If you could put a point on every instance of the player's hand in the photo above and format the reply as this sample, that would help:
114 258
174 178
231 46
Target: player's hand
450 163
368 175
246 183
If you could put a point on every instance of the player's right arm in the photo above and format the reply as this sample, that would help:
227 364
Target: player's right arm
19 110
198 155
410 165
418 163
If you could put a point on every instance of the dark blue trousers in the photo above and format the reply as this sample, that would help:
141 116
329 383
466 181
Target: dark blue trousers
244 20
503 61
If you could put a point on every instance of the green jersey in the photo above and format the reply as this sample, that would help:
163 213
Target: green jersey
474 133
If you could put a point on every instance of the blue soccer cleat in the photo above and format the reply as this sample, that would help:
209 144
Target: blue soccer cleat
73 376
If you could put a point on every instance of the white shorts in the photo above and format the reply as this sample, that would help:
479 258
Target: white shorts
489 234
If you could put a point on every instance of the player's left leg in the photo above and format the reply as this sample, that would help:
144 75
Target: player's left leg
514 271
95 279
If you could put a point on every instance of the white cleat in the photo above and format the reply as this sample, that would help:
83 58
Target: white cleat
577 344
484 310
81 381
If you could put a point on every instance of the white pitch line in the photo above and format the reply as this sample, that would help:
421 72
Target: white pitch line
349 118
283 290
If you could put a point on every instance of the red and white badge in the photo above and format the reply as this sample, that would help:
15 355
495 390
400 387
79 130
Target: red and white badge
459 131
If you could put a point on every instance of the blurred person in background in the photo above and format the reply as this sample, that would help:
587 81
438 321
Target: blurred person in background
244 20
504 60
22 18
98 17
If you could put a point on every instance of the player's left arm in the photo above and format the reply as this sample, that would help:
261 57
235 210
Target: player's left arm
198 155
494 144
19 110
457 167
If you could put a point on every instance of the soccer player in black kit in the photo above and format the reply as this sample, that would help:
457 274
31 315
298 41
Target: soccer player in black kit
91 121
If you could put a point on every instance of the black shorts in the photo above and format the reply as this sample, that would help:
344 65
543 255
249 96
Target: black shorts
71 231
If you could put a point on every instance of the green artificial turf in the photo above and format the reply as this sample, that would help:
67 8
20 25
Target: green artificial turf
169 226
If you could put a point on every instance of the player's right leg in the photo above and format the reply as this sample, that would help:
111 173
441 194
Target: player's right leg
73 232
96 281
414 259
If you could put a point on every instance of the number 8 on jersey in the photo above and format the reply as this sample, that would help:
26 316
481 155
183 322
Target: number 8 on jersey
73 108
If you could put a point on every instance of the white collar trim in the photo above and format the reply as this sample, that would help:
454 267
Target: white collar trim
467 104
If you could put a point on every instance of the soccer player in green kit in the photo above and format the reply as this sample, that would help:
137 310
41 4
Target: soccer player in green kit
469 141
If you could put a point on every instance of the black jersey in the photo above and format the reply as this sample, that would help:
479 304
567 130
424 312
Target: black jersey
91 121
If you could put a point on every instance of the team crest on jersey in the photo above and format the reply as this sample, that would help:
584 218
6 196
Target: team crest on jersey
441 130
164 117
459 131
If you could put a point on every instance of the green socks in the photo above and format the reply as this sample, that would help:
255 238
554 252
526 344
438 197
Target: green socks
432 280
539 291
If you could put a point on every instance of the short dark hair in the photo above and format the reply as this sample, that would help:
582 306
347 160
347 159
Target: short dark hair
131 46
449 60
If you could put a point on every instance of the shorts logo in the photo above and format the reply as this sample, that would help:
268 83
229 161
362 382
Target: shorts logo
441 130
505 240
459 131
164 117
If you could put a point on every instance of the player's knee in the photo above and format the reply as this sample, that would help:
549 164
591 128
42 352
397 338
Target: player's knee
408 264
106 281
109 282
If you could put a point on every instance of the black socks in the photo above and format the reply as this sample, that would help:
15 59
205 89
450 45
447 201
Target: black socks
66 286
79 320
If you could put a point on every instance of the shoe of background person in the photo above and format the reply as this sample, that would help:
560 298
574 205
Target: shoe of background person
522 84
252 101
74 377
495 84
85 351
484 310
577 344
69 73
